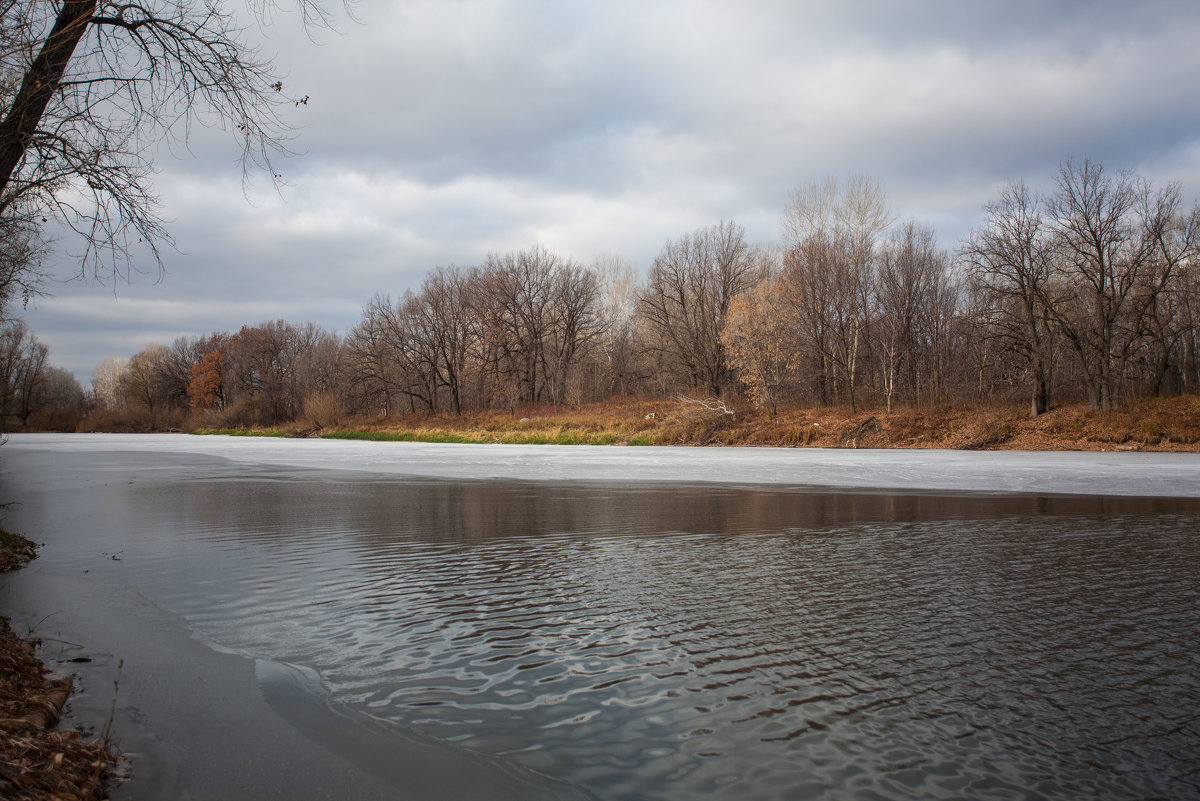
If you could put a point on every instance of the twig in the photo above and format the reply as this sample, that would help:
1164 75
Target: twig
40 638
112 713
43 620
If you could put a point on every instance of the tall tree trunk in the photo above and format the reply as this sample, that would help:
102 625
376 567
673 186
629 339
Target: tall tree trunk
40 83
1040 403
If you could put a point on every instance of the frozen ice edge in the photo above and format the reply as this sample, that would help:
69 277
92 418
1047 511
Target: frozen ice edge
1022 472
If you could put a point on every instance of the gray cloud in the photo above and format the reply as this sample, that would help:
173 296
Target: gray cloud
439 131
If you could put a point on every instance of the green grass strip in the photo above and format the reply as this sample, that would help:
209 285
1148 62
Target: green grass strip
242 432
505 437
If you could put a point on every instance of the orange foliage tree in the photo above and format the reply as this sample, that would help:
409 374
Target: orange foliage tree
760 342
206 387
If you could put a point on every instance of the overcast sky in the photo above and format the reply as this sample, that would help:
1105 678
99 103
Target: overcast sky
438 131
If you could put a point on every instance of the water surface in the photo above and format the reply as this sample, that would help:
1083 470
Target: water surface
681 641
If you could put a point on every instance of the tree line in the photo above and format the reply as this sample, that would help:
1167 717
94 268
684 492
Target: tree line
1090 291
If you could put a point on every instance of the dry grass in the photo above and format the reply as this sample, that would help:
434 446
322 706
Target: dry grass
1162 424
15 551
1151 424
612 423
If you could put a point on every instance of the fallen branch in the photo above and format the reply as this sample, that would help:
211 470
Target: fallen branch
715 406
870 424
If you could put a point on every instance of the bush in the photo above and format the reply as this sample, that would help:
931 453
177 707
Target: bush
131 420
55 418
322 411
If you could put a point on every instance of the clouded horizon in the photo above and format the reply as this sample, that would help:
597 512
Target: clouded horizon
439 131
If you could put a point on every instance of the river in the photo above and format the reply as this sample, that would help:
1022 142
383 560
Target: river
353 620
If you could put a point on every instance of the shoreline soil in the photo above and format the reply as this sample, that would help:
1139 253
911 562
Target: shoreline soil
37 761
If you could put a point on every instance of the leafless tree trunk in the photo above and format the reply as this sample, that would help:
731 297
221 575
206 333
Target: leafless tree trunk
911 296
516 302
384 360
617 318
107 380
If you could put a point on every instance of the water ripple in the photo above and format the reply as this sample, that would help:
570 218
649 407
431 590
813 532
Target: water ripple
691 643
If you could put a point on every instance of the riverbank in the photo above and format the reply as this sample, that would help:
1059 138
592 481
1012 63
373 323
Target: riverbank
1157 424
37 761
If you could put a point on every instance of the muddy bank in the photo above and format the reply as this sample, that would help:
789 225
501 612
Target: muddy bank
36 760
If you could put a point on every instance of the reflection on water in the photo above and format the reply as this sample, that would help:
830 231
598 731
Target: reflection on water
700 642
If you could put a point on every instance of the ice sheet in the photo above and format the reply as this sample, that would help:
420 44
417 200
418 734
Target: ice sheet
1071 472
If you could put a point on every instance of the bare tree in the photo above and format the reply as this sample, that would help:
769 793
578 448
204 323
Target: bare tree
1105 253
108 380
389 358
1188 309
574 325
90 87
915 301
1162 299
373 367
686 298
34 394
22 250
620 368
23 365
513 305
444 325
57 403
263 367
1011 258
536 312
831 235
317 370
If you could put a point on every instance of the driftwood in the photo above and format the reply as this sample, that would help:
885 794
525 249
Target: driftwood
704 416
44 711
